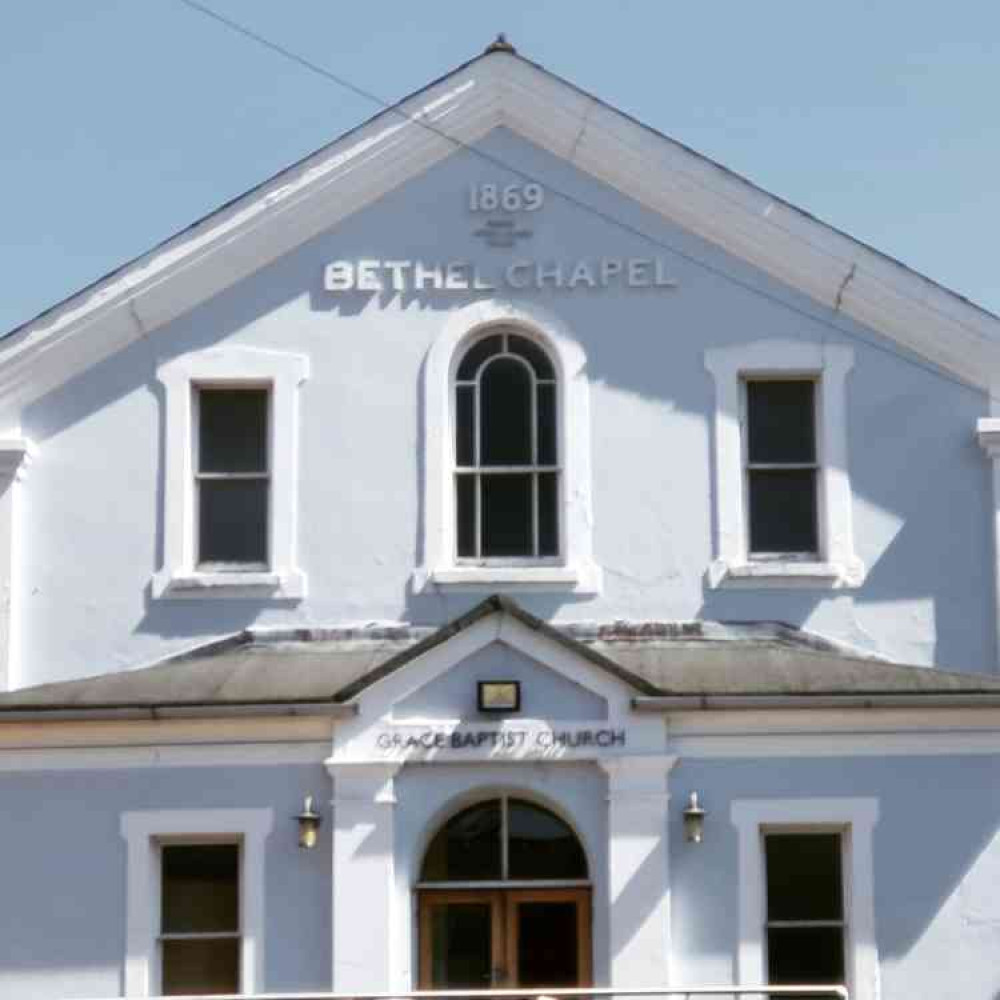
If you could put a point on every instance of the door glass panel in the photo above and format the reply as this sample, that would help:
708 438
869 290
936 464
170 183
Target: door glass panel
461 946
547 946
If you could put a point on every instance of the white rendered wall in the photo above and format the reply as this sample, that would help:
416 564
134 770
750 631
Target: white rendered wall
94 499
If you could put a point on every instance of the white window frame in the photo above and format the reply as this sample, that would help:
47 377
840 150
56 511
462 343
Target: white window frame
575 569
854 819
233 367
144 831
837 564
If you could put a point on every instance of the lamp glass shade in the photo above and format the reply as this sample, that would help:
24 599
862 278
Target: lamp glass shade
694 821
308 821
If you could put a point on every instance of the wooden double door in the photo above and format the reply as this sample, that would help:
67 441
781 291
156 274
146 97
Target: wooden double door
504 938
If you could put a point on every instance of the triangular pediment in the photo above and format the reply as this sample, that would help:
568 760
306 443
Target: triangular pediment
496 635
498 90
424 704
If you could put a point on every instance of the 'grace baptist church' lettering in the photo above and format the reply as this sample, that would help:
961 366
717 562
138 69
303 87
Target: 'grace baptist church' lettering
500 740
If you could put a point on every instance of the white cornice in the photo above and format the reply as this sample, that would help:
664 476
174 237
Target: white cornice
988 435
499 89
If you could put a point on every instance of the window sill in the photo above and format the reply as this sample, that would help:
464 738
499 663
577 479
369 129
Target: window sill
581 579
789 574
289 585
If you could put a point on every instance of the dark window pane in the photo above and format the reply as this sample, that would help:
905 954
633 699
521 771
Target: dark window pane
461 942
199 888
201 967
533 354
476 355
232 521
783 510
232 430
803 876
546 945
780 420
465 425
548 514
505 401
547 425
506 511
467 847
807 955
541 845
466 511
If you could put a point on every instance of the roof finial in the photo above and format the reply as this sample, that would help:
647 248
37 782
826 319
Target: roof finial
500 44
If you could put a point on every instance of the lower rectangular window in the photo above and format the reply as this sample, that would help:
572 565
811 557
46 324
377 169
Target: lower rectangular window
805 927
199 919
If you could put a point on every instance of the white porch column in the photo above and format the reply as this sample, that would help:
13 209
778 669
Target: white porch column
638 870
988 433
15 455
363 851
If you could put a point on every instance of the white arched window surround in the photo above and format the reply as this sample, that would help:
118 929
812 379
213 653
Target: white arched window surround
575 569
838 564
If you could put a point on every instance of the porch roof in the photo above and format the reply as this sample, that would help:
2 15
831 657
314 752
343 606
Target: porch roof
669 666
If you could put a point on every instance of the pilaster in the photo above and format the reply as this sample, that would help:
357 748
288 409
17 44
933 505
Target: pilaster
15 456
363 882
988 433
639 869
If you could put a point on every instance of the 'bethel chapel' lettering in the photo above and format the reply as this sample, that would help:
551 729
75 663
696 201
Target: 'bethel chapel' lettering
461 276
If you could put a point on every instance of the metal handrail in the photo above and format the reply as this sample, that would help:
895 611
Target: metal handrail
549 994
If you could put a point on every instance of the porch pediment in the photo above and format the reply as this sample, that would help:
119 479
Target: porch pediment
573 702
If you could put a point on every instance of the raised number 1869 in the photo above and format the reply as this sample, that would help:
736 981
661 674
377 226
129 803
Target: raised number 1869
509 198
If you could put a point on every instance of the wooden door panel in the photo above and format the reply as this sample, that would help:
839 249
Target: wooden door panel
452 952
542 925
537 938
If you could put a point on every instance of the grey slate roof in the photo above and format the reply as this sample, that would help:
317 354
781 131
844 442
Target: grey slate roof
668 665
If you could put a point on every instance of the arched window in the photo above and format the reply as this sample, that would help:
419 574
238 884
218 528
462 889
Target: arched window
507 471
504 840
487 524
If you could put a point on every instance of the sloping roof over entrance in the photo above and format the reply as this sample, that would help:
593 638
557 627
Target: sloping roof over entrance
668 666
498 89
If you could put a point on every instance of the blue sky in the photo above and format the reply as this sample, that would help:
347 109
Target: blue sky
125 120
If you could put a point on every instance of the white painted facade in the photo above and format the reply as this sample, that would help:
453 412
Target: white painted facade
344 666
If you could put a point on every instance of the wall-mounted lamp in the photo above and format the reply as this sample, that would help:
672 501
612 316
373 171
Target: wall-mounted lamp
498 696
309 821
694 820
